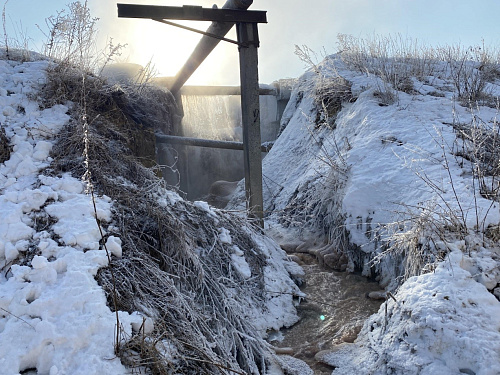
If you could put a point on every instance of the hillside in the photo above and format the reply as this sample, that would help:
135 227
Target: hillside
91 240
388 166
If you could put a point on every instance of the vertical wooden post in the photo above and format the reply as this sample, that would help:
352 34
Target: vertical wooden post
249 75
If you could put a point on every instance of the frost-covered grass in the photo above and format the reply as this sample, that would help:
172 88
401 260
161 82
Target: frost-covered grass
196 288
398 60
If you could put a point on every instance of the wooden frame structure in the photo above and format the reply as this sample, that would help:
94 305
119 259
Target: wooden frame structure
233 12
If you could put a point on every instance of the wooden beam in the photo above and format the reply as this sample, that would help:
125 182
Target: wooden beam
190 13
207 44
250 109
220 90
209 143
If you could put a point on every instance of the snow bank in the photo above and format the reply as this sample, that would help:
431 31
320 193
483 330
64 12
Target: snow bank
441 323
371 166
383 170
53 313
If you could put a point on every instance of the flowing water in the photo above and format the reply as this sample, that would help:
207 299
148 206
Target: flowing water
218 118
333 312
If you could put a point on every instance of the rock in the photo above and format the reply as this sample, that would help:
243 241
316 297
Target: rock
496 293
336 261
294 366
351 334
221 192
289 247
295 259
305 258
287 351
306 246
377 295
322 356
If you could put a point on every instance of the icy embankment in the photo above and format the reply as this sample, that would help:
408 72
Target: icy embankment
54 317
388 168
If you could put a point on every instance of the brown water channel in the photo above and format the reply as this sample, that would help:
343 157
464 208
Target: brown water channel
333 312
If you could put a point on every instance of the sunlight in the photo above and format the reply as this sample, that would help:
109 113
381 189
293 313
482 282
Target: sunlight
168 49
167 46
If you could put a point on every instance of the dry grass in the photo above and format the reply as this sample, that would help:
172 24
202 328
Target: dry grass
174 269
397 59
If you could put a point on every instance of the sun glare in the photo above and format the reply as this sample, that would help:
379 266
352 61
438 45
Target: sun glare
168 48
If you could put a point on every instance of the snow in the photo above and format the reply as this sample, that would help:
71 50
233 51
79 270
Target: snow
385 163
52 310
392 160
441 323
225 236
239 262
53 314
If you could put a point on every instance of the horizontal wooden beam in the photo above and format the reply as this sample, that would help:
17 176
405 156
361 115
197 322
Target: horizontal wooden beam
220 90
187 141
191 13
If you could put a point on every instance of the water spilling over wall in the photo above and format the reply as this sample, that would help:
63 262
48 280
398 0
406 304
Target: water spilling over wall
218 118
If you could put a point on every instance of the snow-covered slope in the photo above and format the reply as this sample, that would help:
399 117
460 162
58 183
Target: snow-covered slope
54 316
52 310
387 182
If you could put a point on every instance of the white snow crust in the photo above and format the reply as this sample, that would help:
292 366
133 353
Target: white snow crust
53 314
441 323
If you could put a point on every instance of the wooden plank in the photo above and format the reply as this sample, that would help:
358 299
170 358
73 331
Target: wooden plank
220 90
250 108
190 13
209 143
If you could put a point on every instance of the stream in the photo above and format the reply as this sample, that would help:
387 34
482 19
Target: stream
333 312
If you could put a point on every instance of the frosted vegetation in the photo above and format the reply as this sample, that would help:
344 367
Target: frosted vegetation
387 164
102 269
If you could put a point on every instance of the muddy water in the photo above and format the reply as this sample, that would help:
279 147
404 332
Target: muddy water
333 312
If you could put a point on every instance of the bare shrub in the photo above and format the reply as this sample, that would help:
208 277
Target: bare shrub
417 241
477 145
470 69
16 47
395 59
197 300
6 39
328 89
71 36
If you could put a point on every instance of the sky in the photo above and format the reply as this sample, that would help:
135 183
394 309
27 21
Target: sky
290 23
